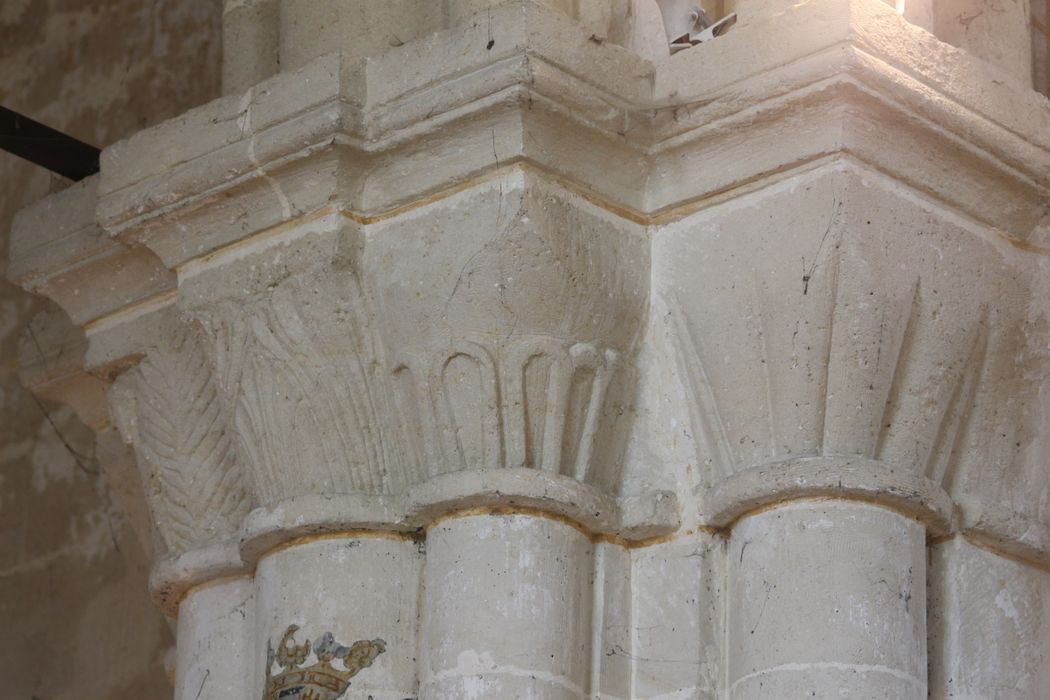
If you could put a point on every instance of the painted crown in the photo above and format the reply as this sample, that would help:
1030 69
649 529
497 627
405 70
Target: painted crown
323 680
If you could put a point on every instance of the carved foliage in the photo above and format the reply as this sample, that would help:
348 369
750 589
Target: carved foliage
533 402
303 371
875 347
316 412
507 314
184 444
907 406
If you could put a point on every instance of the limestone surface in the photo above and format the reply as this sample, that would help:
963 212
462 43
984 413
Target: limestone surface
531 362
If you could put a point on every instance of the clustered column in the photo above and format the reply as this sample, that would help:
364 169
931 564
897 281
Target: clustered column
471 355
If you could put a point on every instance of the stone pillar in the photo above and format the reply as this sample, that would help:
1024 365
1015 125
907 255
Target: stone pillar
998 32
825 598
216 620
363 28
353 587
989 624
500 360
507 604
462 10
921 13
1041 46
312 28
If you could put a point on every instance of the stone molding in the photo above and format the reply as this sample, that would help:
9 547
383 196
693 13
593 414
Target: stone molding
829 477
630 521
279 363
64 255
848 80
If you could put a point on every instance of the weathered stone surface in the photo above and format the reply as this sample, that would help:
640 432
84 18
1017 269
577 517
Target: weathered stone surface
217 619
539 365
250 42
372 587
826 599
674 645
989 624
169 408
535 577
64 255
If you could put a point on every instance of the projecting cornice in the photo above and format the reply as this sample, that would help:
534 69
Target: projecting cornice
339 132
58 251
837 79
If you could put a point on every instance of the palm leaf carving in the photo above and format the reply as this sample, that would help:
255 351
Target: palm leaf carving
196 489
304 370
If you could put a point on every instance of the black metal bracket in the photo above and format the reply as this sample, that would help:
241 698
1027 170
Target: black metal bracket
46 147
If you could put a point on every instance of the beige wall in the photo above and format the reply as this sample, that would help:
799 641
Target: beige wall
75 614
1041 45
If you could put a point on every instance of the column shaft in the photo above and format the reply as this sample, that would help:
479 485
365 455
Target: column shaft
214 659
359 28
250 31
354 587
507 609
989 625
999 31
827 599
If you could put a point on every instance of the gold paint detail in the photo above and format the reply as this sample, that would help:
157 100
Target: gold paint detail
662 216
856 498
1025 246
193 265
419 536
481 177
511 166
401 535
1000 549
138 308
324 680
211 583
596 537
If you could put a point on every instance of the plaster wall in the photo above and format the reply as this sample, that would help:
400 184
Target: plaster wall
74 606
1041 46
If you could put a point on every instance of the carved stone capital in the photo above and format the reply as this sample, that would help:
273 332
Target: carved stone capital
540 271
882 365
169 408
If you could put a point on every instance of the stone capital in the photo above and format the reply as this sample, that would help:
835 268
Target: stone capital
358 311
520 267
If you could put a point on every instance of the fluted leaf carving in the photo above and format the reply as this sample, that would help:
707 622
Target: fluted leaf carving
878 350
506 340
303 371
196 488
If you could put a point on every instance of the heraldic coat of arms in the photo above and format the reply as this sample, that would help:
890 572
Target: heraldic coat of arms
328 678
